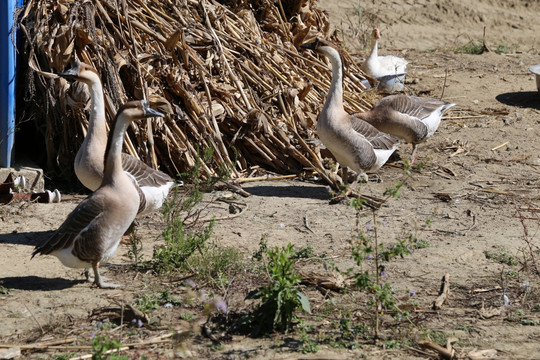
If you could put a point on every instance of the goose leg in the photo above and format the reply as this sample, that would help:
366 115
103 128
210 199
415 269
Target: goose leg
88 275
413 154
99 281
345 175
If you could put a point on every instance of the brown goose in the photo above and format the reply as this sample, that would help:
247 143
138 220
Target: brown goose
410 118
91 233
154 184
353 142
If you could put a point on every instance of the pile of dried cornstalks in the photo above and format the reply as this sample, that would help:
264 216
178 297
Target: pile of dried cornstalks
231 78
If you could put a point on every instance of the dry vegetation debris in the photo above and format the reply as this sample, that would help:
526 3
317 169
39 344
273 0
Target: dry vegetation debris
230 77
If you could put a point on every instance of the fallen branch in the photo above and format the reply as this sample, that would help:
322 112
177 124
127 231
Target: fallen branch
443 293
40 345
158 340
448 353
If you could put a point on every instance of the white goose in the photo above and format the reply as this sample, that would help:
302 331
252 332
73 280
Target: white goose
154 184
91 233
410 118
377 66
353 142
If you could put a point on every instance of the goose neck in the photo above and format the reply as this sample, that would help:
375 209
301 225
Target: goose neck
113 158
96 122
334 100
374 48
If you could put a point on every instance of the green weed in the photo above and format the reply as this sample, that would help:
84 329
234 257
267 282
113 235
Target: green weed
135 248
147 303
504 49
100 347
473 47
188 246
186 316
64 356
281 297
436 336
501 257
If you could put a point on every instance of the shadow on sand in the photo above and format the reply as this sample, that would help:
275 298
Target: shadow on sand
293 191
32 238
522 99
37 283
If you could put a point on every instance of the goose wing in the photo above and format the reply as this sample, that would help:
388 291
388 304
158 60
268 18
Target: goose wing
378 139
77 223
413 106
143 174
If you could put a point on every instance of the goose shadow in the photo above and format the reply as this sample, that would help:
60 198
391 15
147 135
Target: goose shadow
522 99
31 238
37 283
293 191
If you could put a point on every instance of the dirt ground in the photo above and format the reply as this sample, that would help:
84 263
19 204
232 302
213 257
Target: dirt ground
479 189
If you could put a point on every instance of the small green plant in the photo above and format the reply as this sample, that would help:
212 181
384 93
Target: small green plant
147 303
369 255
473 47
281 297
501 257
188 246
394 191
4 290
517 315
263 248
308 345
419 244
166 298
64 356
304 253
504 49
217 347
134 248
512 273
391 344
186 316
436 336
101 347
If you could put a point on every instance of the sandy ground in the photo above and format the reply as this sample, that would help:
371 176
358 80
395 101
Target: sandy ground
481 171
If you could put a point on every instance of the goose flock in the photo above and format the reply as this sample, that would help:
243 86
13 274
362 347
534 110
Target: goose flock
125 187
364 141
91 233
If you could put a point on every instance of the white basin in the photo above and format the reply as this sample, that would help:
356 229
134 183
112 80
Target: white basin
536 70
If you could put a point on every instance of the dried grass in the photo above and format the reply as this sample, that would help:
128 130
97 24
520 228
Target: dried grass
231 77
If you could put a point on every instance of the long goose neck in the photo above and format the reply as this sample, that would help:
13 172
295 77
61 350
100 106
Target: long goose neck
113 158
334 100
374 48
96 124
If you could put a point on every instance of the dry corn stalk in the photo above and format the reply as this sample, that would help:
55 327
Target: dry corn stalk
229 77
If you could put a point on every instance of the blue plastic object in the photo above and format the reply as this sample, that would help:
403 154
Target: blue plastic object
8 64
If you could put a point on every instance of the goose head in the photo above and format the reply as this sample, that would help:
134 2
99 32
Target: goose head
323 47
320 46
376 34
80 72
137 110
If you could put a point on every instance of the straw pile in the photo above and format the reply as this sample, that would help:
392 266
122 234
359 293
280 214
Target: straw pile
231 78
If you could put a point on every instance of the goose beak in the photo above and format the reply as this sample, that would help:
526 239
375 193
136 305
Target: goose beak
70 74
73 73
149 112
311 45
